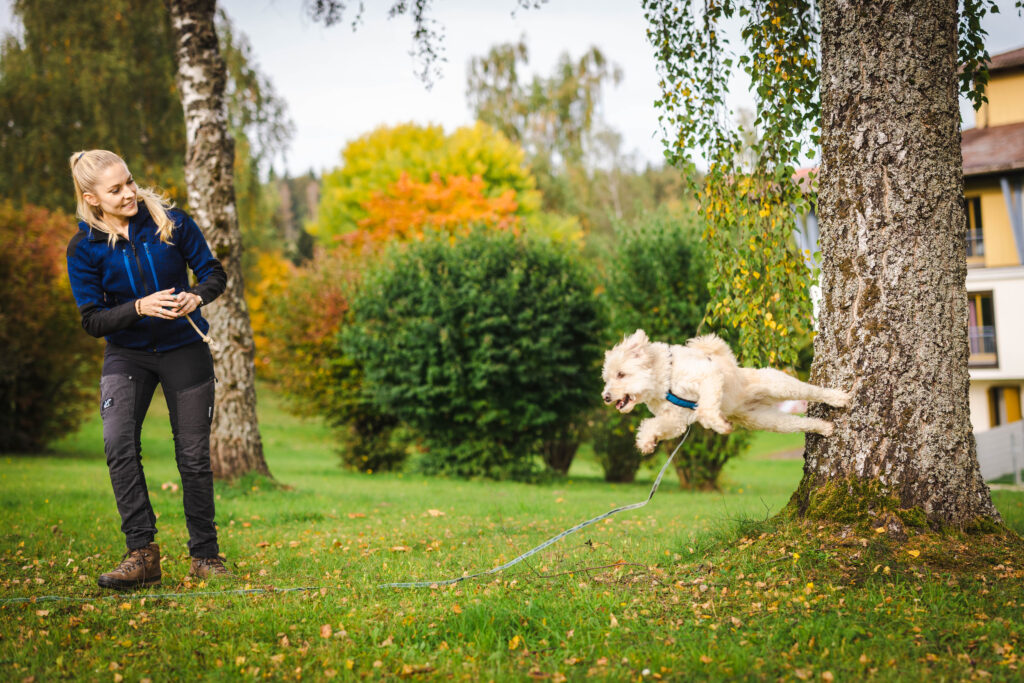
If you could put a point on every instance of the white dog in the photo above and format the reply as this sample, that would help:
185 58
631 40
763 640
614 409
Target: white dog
702 382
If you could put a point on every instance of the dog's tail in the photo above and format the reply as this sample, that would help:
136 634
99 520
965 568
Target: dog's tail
712 345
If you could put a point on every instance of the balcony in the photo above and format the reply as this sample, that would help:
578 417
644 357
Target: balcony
983 346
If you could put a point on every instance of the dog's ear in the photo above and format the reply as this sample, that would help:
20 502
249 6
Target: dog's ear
636 343
638 338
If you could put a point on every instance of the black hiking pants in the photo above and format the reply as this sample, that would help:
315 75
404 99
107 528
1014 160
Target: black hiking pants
126 388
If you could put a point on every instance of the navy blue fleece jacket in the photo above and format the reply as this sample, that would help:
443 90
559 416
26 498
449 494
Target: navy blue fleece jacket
107 280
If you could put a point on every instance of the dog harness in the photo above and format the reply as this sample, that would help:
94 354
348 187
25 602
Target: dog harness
672 398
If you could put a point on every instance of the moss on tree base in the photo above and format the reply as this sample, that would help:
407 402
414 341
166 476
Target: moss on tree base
869 504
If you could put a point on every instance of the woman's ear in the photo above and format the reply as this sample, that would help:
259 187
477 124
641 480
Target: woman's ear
92 199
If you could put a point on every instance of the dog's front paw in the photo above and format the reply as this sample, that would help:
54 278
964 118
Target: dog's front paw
715 422
646 445
722 427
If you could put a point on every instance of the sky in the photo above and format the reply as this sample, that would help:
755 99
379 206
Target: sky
340 84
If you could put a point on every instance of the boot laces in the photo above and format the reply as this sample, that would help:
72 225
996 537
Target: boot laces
214 564
132 559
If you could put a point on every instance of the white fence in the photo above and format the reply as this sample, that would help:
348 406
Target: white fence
1001 451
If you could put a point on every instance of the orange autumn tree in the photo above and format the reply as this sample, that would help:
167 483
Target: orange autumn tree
409 207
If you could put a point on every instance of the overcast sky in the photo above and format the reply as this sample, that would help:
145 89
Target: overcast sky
339 84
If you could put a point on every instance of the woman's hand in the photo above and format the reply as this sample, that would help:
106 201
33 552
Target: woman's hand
187 302
162 304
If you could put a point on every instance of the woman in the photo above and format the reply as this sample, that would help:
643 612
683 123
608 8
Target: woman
127 267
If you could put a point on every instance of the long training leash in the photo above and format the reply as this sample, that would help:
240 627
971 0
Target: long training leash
545 544
406 584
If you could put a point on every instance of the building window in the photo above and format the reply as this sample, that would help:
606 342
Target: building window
1003 405
981 329
975 238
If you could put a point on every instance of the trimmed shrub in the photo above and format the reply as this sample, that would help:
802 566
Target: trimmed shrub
486 344
49 366
657 280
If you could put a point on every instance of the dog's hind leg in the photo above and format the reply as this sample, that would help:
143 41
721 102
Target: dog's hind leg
774 421
777 385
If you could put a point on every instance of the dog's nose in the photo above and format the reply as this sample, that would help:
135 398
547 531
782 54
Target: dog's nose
607 398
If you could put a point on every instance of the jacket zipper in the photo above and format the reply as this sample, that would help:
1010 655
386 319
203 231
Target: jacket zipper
135 253
149 257
128 269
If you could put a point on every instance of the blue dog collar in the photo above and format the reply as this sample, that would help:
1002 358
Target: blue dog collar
681 402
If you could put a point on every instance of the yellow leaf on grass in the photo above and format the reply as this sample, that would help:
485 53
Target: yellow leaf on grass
326 631
705 659
514 643
456 608
400 548
613 622
913 553
435 513
879 529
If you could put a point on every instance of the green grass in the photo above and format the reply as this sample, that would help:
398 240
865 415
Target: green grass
695 585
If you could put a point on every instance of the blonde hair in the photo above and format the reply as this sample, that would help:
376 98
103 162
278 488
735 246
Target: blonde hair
86 168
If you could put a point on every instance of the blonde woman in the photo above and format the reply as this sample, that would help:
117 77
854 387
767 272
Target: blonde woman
128 266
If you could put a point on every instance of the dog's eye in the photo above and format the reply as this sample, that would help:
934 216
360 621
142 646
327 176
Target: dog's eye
621 375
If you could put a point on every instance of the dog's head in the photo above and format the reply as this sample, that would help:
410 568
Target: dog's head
627 373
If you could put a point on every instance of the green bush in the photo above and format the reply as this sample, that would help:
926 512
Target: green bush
614 441
488 345
657 280
305 359
49 366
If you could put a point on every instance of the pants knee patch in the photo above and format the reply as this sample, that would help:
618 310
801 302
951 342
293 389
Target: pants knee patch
195 407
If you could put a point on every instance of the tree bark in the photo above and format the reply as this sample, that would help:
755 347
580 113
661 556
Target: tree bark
893 325
235 444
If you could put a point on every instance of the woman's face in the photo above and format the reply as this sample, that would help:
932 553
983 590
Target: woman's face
115 193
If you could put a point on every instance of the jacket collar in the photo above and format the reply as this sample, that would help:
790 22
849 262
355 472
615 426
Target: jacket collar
138 220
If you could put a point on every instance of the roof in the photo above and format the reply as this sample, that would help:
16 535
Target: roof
993 150
1006 60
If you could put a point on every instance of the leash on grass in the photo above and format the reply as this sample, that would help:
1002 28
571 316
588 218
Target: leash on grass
407 584
545 544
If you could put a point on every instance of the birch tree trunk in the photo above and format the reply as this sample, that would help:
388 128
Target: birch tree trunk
235 444
893 325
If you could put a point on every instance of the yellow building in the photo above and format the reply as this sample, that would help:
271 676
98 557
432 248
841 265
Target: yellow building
993 153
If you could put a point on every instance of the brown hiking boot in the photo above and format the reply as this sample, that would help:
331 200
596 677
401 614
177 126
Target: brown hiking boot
138 568
209 568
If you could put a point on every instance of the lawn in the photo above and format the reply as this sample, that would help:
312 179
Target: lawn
695 585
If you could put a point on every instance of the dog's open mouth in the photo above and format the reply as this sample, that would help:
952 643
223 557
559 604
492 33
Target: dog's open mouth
623 403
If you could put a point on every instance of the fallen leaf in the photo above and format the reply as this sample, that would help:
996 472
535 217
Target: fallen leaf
413 669
879 529
400 548
435 513
42 612
613 622
456 608
803 674
388 642
705 659
169 486
262 544
355 515
514 643
326 631
913 553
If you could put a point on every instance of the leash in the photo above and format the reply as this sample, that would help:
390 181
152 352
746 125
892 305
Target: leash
408 584
205 337
545 544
